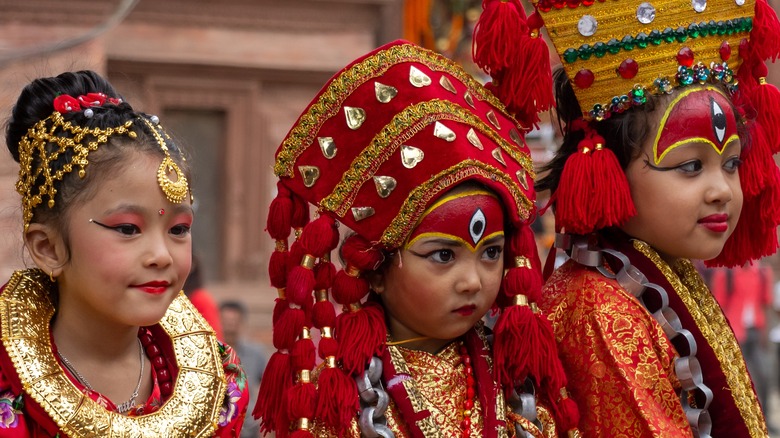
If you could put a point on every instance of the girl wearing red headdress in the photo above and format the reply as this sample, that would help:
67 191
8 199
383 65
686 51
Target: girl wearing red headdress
433 178
665 158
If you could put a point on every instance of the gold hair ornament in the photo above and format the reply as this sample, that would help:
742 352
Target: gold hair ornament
175 189
63 135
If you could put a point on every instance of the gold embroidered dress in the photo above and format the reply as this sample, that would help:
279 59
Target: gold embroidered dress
620 363
39 398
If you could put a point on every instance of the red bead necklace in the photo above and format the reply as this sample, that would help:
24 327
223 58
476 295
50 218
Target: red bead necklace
158 362
468 404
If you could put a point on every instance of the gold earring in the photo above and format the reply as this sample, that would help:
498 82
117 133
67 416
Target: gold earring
51 277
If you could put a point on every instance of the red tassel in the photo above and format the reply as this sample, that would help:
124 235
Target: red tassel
302 356
324 273
300 284
766 100
301 433
611 191
520 280
340 404
348 289
765 33
360 335
526 87
752 238
358 252
495 34
277 269
317 237
300 214
302 400
280 214
568 415
755 157
323 314
593 192
514 344
280 306
327 347
289 326
277 378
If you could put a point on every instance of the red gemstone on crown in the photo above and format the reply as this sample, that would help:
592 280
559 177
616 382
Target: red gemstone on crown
725 51
584 78
685 57
628 68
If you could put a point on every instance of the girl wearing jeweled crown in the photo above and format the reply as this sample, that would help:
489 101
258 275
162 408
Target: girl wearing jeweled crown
434 180
668 133
98 339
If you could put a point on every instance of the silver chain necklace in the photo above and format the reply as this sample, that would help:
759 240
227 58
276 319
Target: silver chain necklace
122 407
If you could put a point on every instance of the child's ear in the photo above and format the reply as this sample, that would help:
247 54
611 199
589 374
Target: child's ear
376 280
46 247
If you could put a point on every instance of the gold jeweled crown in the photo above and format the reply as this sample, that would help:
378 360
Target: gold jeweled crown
617 51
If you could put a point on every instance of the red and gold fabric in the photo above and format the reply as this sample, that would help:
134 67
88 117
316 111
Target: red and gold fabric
39 398
621 364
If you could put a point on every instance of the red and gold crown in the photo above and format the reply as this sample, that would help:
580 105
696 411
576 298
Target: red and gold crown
392 132
615 52
382 141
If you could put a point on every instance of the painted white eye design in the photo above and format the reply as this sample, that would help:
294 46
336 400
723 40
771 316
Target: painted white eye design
477 225
718 120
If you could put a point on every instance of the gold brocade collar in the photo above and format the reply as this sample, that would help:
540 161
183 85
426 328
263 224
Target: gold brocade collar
710 320
192 410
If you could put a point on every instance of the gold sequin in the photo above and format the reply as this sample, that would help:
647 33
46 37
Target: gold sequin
443 132
329 102
411 155
496 153
360 213
384 185
418 78
447 85
328 147
310 175
384 93
355 117
474 139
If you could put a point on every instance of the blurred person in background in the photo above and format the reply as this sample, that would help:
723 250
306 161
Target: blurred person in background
253 356
745 294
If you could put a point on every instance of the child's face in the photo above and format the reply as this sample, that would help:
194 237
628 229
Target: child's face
447 277
685 183
129 269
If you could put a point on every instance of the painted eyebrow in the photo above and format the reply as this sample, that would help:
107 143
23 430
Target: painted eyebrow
135 209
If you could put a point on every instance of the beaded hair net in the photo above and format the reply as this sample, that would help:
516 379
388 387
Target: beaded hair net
42 147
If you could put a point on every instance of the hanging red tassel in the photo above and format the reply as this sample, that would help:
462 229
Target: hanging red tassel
765 32
339 404
494 43
755 157
289 326
361 334
593 191
567 414
612 195
301 400
301 433
514 343
280 214
277 378
766 100
525 86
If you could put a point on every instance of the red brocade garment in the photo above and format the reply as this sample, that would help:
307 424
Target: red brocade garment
620 363
207 398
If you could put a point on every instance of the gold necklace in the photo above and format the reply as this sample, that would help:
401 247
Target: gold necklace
124 406
192 409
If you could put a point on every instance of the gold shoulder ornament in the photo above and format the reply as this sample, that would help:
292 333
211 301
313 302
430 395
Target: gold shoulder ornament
192 410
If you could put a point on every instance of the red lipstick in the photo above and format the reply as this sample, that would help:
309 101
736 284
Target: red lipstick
715 222
466 310
154 287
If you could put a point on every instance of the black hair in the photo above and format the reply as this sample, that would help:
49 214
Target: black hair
35 103
623 133
238 306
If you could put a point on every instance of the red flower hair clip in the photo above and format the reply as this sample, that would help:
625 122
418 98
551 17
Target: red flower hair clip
65 103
